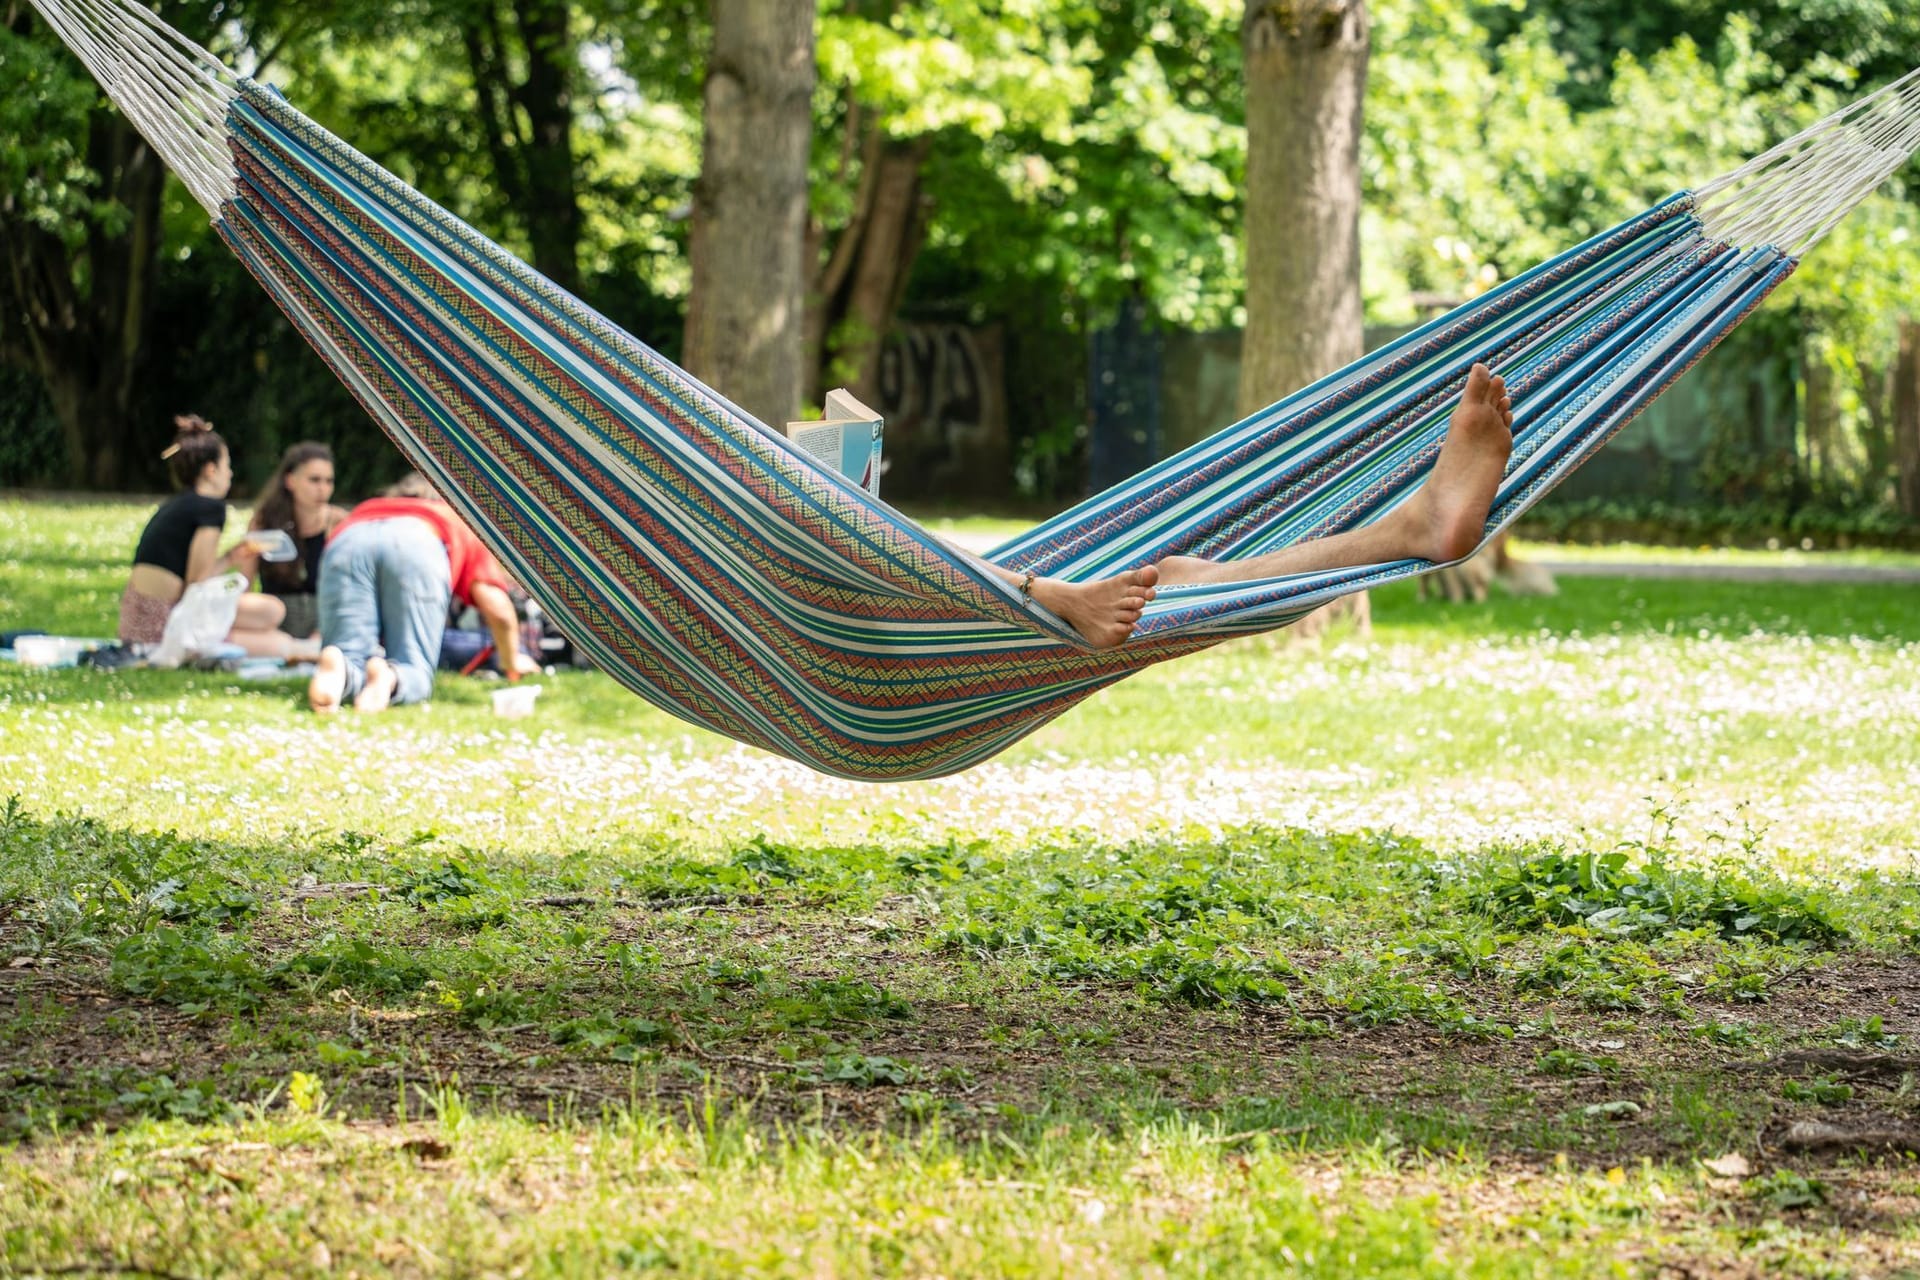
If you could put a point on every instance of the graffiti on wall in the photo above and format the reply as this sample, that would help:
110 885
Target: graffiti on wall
942 390
1741 397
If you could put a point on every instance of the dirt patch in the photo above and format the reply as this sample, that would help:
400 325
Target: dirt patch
975 1047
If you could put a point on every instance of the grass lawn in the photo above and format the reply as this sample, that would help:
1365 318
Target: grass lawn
1576 936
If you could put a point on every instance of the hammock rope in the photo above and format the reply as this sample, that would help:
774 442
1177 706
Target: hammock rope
716 572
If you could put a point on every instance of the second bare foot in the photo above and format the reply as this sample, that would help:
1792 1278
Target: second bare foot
1103 612
377 693
1451 509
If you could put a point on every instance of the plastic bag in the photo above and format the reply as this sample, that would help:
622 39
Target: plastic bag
199 623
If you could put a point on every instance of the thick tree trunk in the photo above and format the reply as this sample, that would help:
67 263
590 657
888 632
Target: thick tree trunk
83 316
1906 418
745 314
1306 69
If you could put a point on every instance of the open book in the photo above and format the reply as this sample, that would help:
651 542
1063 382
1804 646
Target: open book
846 440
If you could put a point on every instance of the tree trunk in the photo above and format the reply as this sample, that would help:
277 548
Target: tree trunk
1306 69
83 314
856 296
1906 418
526 115
1820 420
746 310
1877 392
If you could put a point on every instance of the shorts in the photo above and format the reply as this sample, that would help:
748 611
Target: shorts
143 618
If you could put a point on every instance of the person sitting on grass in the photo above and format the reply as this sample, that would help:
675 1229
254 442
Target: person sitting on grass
1443 521
181 546
295 500
387 578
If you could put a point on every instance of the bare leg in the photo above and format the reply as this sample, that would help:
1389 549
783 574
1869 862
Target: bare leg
256 629
274 643
1441 522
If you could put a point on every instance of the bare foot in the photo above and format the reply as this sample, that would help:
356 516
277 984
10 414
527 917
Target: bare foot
377 693
1451 508
329 681
1103 612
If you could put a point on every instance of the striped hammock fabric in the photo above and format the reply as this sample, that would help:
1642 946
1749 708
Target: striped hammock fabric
723 577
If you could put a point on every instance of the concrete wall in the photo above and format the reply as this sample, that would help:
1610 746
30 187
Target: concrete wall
1745 394
942 390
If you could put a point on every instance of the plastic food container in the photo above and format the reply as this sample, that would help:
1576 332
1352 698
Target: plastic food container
50 651
515 702
275 546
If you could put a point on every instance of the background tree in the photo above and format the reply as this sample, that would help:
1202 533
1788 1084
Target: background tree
524 68
746 307
1306 73
81 232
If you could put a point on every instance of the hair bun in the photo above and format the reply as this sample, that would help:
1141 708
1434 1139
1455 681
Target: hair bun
186 426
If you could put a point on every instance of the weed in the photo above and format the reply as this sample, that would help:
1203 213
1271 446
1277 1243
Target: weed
622 1039
1826 1092
1571 1062
1734 1035
824 1002
450 879
854 1068
1863 1033
192 967
339 961
159 1098
1606 895
1785 1189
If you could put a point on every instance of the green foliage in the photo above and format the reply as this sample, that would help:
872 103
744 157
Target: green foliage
624 1039
1775 524
1864 1033
449 880
858 1069
342 962
195 968
1606 894
1572 1062
160 1098
1826 1092
1788 1189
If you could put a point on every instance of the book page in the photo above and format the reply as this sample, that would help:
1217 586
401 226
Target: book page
847 439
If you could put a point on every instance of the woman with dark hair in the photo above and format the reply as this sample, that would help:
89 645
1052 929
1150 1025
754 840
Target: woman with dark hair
295 501
181 546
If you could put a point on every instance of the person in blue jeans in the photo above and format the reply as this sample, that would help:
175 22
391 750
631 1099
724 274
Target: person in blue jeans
387 577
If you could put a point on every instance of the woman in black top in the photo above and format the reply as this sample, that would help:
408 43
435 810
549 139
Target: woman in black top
295 500
181 546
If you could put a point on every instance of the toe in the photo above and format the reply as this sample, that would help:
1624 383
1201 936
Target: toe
1478 381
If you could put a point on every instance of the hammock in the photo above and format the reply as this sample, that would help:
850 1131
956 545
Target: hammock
723 577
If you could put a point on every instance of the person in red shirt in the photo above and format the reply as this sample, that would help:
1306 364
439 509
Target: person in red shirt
387 576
